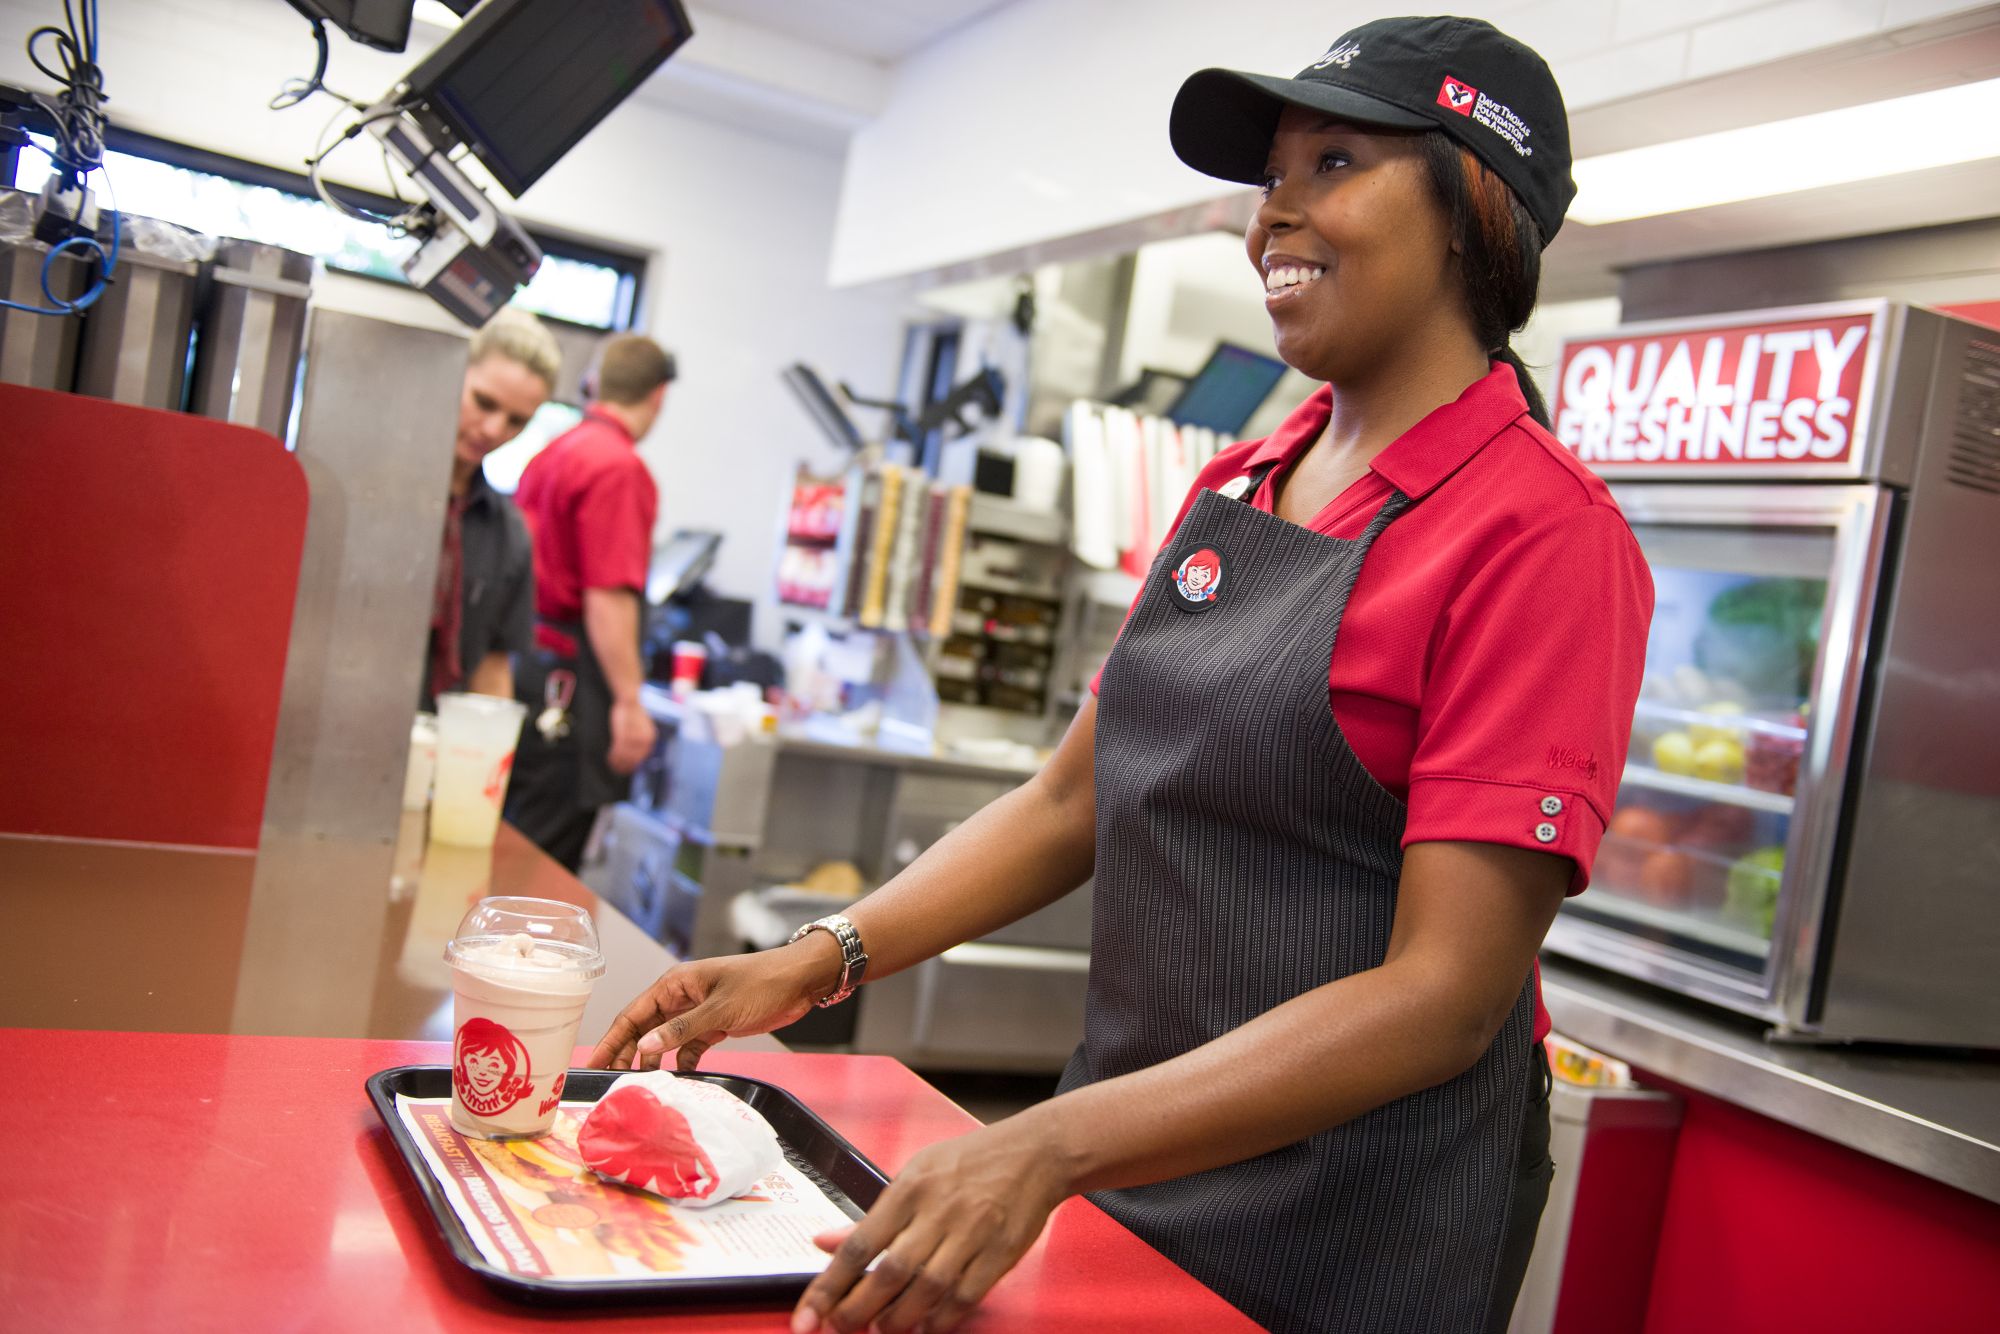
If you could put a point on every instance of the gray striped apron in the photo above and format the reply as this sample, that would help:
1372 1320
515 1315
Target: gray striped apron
1244 857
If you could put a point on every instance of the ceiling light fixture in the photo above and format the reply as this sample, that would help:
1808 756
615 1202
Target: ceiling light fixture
1860 143
435 13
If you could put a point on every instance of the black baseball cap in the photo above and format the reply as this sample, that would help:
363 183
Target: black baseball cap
1462 76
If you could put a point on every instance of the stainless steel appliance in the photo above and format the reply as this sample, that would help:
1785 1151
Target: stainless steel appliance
706 824
136 337
35 350
1809 825
1009 1001
253 329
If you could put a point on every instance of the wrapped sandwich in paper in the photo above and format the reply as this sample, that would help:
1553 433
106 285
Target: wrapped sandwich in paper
683 1139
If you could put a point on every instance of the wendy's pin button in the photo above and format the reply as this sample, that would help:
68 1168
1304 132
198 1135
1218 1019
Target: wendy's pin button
1198 579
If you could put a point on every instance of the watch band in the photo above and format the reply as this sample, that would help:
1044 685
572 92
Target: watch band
853 959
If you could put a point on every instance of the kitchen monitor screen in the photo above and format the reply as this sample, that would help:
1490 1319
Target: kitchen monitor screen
1227 391
523 80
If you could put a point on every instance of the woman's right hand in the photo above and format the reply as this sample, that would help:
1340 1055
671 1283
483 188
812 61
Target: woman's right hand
695 1005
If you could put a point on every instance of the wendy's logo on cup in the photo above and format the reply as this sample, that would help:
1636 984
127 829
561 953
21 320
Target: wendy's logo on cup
489 1067
496 782
1199 579
554 1100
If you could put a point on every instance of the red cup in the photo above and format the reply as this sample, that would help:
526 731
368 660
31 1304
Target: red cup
689 659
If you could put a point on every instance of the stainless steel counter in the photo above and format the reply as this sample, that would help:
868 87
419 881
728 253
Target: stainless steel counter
303 938
902 759
1936 1115
666 709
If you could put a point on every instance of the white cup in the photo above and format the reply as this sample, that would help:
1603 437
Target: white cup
475 755
1039 468
423 762
522 970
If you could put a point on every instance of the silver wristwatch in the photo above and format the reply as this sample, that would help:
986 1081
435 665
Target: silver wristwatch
853 959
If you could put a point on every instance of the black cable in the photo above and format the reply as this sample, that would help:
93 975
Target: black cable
78 108
296 91
323 150
62 43
78 114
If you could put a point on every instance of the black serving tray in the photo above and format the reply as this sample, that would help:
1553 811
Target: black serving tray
811 1145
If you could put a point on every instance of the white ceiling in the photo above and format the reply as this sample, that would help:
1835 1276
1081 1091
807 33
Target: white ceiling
883 30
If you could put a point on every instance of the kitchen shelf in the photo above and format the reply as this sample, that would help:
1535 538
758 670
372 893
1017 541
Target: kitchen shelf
1725 722
1112 588
1003 518
1609 902
1729 794
1008 588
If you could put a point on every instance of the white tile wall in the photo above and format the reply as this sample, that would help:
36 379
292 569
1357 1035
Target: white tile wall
1561 29
1635 67
1636 19
1901 13
1091 130
1777 31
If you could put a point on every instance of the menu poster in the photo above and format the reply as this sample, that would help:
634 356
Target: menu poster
535 1211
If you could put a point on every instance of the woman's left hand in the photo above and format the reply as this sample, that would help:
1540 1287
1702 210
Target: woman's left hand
957 1218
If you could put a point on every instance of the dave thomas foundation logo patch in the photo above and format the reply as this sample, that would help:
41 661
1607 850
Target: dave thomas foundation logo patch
1198 580
1458 96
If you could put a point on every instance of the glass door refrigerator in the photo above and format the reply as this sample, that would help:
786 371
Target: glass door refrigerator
1808 829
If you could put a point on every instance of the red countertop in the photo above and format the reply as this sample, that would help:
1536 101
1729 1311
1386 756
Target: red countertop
196 1182
184 1179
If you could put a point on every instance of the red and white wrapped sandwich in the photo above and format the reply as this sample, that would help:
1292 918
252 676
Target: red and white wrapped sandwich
685 1140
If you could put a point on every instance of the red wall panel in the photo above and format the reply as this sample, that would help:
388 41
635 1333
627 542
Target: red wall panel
1979 312
148 565
1770 1228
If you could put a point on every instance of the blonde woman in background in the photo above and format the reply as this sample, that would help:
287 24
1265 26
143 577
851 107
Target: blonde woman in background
483 612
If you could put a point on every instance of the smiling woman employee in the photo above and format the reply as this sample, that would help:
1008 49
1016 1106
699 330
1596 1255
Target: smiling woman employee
1359 735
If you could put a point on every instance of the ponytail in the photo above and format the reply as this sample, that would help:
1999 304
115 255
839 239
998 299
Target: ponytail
1538 407
1499 248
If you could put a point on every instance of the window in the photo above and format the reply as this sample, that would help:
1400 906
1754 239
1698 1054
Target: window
226 198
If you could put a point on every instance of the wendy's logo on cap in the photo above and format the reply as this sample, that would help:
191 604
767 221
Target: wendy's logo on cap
1198 579
1458 95
1341 53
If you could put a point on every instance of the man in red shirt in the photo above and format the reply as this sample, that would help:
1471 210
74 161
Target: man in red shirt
589 502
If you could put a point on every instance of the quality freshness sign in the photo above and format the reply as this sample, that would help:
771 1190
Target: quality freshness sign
1751 397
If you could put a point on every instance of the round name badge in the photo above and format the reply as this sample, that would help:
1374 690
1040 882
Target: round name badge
1234 488
1198 579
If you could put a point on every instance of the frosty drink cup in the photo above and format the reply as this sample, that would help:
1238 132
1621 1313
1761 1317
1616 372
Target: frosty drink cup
475 753
689 660
521 973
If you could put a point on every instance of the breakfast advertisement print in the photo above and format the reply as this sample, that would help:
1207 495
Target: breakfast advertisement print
535 1211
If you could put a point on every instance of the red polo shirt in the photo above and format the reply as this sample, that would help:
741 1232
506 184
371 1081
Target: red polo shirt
589 502
1491 653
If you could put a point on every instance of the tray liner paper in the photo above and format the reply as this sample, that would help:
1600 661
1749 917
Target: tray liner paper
534 1210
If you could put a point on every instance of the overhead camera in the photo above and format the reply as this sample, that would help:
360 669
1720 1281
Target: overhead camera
515 87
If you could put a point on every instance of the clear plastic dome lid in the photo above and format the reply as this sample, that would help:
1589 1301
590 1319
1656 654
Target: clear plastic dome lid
541 933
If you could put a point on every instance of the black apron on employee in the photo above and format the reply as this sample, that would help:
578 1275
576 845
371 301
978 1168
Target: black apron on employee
563 773
1245 857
